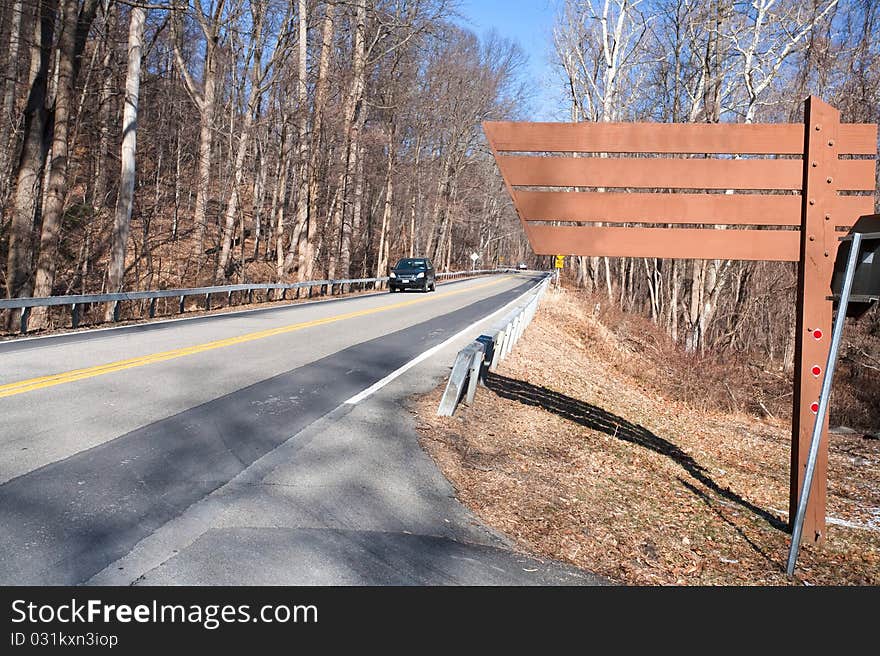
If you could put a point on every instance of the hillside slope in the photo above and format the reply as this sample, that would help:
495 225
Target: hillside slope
578 452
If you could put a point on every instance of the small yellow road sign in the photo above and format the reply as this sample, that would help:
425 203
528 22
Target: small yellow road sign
559 261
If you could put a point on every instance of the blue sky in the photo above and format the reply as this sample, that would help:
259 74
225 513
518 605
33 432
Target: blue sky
529 23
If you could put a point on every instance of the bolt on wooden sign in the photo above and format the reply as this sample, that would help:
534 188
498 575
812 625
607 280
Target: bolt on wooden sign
777 192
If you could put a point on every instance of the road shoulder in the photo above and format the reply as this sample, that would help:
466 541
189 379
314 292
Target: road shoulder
351 499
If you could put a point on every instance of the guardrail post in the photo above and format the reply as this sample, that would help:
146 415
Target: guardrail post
511 342
74 315
488 342
207 301
500 345
250 293
115 311
25 314
229 299
474 374
284 294
180 307
153 307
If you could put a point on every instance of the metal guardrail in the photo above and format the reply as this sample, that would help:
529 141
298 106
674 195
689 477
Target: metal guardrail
333 287
485 352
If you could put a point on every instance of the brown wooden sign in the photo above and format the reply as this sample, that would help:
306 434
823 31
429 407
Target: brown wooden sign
701 191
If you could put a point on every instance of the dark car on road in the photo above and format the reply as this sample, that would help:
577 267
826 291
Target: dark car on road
412 273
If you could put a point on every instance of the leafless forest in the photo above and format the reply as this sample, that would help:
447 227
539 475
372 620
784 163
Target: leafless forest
733 61
164 144
167 143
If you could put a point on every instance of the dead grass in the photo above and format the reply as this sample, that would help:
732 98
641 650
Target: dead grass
576 452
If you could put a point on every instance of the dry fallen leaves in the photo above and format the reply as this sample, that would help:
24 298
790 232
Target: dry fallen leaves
575 452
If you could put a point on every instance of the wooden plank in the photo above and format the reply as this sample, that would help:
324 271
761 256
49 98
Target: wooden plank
857 139
727 209
781 139
763 174
854 175
849 208
652 208
731 138
673 243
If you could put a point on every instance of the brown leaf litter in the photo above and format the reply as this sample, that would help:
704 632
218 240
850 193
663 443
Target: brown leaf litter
575 453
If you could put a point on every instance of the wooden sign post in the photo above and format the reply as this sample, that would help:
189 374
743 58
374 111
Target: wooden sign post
676 191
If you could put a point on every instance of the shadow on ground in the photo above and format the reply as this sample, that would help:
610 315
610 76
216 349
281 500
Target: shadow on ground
596 418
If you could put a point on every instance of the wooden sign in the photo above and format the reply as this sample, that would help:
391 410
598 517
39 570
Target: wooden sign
705 191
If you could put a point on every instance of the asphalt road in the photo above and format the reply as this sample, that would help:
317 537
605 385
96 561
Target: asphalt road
112 442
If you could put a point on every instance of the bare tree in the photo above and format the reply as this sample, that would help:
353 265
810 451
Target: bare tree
204 96
122 216
29 178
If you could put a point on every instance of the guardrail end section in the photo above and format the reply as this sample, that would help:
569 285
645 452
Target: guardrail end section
457 377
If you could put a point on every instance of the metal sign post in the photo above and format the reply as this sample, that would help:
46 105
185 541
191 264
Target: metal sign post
558 264
824 398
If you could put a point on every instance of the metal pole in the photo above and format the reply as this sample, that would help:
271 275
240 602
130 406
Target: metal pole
824 398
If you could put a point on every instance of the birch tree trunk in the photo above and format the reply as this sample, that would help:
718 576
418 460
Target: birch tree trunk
357 205
300 232
125 201
414 197
442 190
340 231
382 262
308 249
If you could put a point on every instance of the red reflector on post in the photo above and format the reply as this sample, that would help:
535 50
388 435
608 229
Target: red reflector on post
817 334
814 407
816 370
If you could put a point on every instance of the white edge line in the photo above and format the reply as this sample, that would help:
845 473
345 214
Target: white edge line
375 387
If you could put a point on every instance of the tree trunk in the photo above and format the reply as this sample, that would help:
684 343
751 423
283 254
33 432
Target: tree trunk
28 188
414 197
382 263
340 231
125 201
205 98
7 118
442 190
99 191
74 29
259 197
357 208
300 232
279 220
206 139
308 249
253 107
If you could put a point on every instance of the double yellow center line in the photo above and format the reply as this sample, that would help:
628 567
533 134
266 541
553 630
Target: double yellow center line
20 387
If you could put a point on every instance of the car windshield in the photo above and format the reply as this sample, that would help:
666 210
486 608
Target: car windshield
409 263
